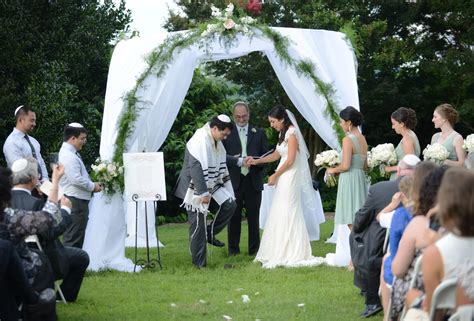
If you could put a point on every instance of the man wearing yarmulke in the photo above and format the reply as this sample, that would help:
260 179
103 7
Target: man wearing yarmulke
204 183
19 144
76 183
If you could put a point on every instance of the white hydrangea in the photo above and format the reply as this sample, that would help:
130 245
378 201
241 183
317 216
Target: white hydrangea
328 158
382 155
469 143
436 153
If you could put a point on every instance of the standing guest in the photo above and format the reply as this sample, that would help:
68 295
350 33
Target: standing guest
76 183
19 144
352 185
68 263
245 140
367 236
444 118
404 123
205 178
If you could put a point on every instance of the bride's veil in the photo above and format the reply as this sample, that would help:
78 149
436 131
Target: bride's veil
308 196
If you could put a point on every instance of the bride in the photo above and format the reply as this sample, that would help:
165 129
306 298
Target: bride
285 240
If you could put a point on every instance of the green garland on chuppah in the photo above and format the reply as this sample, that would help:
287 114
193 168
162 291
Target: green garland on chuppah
226 26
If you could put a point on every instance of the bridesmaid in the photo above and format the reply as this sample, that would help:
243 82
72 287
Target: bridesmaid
352 185
403 123
444 118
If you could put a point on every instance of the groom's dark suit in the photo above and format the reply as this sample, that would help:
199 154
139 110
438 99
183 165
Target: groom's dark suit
248 188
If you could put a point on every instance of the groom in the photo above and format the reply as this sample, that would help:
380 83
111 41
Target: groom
244 141
203 182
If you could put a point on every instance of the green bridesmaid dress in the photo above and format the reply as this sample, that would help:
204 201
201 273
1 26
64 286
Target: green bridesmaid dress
352 187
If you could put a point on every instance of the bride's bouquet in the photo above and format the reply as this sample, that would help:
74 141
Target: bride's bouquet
109 175
380 156
469 143
328 159
436 153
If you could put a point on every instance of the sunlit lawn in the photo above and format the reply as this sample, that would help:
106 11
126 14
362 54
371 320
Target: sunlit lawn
181 292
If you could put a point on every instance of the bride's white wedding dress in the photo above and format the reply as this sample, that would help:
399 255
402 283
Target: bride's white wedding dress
285 240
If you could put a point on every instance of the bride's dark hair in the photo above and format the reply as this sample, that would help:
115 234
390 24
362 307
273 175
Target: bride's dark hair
279 112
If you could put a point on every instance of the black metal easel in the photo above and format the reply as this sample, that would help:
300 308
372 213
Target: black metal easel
148 263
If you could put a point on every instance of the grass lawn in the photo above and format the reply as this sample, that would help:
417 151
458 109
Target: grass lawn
181 292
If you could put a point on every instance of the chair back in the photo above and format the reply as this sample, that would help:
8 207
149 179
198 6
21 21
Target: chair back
444 296
34 239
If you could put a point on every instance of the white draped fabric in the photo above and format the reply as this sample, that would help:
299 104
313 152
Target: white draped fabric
161 98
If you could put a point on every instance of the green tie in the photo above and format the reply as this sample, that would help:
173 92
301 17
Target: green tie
243 141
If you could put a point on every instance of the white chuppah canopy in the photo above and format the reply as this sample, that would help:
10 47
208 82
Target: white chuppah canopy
162 97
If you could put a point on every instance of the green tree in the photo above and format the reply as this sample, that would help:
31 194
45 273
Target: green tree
55 57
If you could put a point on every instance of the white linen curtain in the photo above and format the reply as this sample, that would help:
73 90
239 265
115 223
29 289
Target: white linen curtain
162 98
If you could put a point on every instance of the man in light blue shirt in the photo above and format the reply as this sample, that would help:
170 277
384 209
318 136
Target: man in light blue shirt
76 183
19 144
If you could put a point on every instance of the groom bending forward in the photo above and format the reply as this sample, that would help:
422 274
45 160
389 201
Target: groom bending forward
204 181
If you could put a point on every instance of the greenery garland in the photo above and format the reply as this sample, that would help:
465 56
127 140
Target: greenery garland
226 26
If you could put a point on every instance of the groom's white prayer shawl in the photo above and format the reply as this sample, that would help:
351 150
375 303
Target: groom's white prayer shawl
212 158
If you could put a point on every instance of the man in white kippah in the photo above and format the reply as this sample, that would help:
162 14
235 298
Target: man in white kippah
204 181
76 183
19 144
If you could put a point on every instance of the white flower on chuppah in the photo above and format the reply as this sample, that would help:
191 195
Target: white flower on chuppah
229 24
468 144
436 153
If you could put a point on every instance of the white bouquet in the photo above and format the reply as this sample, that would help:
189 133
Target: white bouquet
436 153
469 143
328 159
109 175
380 156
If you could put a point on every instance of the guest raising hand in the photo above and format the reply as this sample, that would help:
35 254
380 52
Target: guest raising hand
403 123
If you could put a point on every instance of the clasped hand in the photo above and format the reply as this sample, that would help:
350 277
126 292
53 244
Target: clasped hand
249 161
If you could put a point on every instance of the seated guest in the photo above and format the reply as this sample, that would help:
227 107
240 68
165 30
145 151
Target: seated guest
409 188
15 225
416 237
13 283
367 236
465 293
440 260
68 263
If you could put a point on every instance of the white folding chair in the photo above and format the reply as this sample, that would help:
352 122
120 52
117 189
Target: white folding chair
444 297
34 239
464 313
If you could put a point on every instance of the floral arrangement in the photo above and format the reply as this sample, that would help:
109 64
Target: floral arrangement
436 153
380 156
226 22
109 175
328 159
469 143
